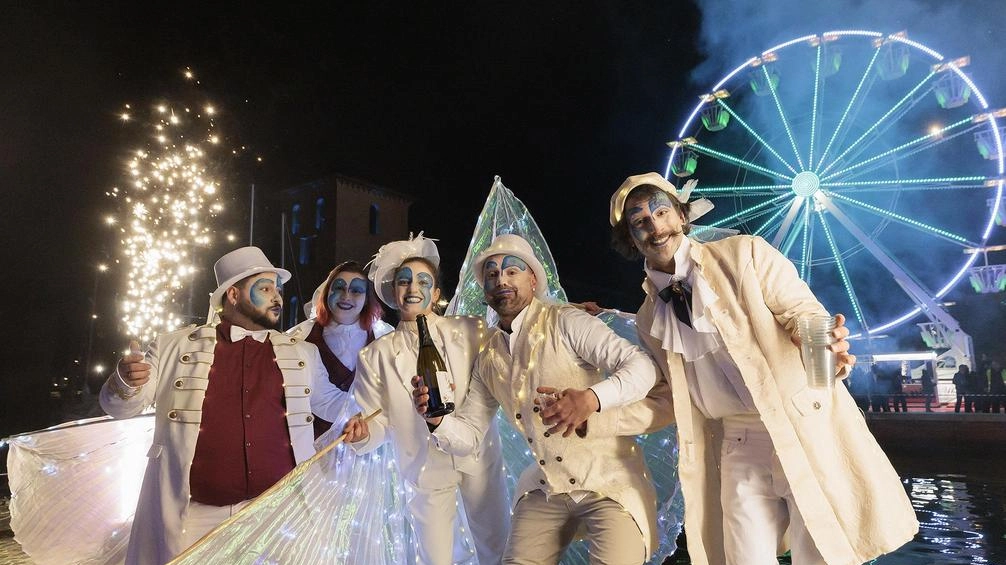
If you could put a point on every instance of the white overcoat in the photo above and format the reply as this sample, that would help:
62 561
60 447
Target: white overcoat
850 496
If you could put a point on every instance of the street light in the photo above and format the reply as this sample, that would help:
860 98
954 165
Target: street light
101 268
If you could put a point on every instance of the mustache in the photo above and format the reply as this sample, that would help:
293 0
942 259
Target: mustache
674 233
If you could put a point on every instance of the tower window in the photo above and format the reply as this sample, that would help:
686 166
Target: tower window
295 219
375 213
319 214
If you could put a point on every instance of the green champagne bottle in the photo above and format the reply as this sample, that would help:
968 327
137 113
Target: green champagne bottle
429 365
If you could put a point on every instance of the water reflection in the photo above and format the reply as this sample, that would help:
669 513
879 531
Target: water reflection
962 516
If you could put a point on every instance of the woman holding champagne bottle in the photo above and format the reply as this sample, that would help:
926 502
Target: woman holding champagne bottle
442 350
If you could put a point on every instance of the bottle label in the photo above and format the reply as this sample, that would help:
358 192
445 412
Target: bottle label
446 391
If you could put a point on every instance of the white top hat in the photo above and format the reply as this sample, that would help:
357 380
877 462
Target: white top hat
698 208
240 264
512 244
391 255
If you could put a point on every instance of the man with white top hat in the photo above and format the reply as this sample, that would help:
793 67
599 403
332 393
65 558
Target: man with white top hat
765 462
593 482
234 401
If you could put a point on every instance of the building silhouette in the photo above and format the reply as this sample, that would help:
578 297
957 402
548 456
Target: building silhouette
331 220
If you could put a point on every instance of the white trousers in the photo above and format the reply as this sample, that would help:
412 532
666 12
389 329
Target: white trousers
758 504
486 507
200 519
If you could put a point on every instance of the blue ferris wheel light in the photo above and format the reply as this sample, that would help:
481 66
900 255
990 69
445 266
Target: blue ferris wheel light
784 152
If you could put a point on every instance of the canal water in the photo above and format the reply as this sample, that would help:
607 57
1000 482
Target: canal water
960 502
961 506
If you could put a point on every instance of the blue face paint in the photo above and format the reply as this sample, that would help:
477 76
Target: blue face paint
642 227
347 299
423 281
661 199
426 287
491 271
358 286
403 276
260 291
490 274
637 230
511 261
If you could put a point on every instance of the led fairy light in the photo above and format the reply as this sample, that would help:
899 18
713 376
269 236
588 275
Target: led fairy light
167 206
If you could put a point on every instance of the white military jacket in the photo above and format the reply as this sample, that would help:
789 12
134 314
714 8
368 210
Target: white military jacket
180 365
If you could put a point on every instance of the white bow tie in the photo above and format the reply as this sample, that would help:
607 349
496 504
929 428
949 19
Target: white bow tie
238 333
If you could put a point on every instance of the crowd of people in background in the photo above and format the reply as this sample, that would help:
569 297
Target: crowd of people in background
885 386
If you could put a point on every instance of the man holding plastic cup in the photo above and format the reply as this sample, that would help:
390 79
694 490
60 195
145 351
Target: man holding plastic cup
767 461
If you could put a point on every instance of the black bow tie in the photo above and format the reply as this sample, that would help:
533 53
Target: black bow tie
679 296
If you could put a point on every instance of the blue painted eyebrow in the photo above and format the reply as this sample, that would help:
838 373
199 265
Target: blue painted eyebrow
261 282
658 200
358 285
511 261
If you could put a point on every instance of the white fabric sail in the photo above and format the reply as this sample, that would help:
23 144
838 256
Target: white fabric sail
74 489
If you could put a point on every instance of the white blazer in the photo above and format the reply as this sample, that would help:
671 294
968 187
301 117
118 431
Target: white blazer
180 365
384 380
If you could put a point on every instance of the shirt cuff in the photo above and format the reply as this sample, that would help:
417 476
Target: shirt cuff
120 388
607 392
442 435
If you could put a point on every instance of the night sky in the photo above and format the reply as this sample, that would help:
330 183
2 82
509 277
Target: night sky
563 101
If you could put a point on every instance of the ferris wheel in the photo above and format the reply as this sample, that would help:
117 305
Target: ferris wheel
871 161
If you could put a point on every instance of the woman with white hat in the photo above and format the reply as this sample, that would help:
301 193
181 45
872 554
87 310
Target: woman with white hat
405 274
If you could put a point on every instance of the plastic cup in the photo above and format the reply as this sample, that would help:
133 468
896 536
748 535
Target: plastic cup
815 337
546 399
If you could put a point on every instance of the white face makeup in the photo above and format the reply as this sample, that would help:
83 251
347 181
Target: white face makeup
415 289
508 284
657 228
346 297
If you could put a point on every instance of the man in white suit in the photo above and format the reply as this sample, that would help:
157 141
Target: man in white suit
234 401
766 461
593 482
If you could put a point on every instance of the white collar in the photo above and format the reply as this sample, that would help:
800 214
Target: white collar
703 337
338 328
238 333
517 322
682 267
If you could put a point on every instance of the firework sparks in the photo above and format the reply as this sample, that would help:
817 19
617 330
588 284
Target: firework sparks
167 209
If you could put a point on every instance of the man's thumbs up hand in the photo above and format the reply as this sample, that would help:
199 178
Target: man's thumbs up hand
132 369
